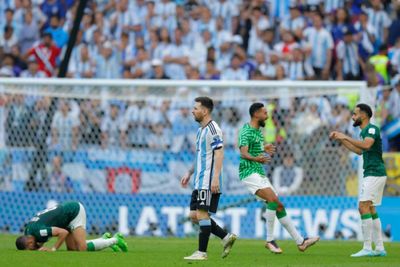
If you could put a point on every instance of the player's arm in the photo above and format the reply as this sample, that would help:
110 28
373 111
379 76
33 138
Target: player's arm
361 144
218 159
186 178
351 147
61 235
244 154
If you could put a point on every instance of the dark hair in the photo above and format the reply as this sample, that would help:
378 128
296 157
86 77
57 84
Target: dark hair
20 243
254 108
206 102
365 108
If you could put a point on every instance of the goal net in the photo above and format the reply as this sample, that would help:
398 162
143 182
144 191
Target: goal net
121 146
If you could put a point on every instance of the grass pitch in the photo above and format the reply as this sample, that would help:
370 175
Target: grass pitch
170 252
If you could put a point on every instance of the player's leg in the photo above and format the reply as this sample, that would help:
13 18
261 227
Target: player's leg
376 222
70 243
203 200
227 239
364 207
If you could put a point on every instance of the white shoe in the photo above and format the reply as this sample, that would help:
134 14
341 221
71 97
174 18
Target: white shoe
379 253
363 253
273 247
308 242
228 243
197 256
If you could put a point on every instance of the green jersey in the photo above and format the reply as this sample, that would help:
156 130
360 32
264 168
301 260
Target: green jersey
254 139
57 216
373 162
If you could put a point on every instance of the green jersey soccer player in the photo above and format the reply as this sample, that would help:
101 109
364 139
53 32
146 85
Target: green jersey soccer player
67 222
374 179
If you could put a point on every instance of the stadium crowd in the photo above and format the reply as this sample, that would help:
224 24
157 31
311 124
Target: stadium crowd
198 39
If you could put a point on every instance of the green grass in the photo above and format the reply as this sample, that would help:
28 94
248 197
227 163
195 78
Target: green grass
170 252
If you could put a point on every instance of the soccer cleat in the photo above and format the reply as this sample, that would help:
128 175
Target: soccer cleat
308 242
121 243
379 253
363 253
228 244
197 256
114 247
273 247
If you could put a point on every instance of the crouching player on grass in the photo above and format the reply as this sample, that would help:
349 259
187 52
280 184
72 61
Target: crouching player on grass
67 222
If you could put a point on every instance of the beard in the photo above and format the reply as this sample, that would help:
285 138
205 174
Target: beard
357 123
261 123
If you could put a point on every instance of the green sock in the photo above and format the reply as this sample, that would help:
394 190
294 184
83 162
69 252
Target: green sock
90 246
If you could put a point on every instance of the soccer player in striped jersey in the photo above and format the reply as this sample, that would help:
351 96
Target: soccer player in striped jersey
207 173
374 179
252 174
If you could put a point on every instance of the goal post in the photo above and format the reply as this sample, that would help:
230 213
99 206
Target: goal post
128 142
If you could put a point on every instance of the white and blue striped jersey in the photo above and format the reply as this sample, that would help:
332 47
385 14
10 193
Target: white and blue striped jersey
208 140
321 41
348 53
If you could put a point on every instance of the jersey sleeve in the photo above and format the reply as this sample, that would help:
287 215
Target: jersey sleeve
216 139
243 139
372 132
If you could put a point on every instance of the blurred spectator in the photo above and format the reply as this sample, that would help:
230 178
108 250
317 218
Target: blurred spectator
158 70
287 178
27 6
259 23
9 64
381 63
366 33
235 72
184 131
111 125
321 44
380 20
46 54
211 72
142 66
29 33
17 122
175 56
341 24
64 128
90 119
108 63
60 37
33 69
395 57
54 7
8 39
294 22
394 30
394 116
298 68
10 21
349 63
135 127
82 65
58 180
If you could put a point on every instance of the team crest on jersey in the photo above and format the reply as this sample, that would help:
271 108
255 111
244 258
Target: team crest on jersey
371 131
43 232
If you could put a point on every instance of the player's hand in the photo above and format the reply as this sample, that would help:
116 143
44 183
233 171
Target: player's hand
270 149
45 249
215 185
335 135
185 180
263 159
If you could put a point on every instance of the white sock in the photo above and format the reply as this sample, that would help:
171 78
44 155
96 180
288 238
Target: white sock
377 234
288 225
101 243
366 227
270 214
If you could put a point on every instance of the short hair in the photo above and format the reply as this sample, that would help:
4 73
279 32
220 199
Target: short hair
254 108
20 243
206 102
366 109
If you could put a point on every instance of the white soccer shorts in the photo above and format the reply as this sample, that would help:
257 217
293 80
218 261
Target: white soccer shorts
80 219
372 189
256 182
